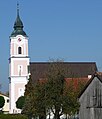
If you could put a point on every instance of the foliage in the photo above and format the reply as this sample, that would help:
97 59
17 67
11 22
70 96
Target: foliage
29 99
20 102
70 104
9 116
34 105
2 101
52 93
55 88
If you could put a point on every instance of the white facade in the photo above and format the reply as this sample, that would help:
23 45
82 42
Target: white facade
18 69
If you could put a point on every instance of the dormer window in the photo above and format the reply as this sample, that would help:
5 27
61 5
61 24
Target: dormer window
19 50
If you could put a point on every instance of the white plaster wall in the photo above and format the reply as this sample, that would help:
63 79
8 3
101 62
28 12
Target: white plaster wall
17 81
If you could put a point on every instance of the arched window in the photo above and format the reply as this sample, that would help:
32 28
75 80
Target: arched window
19 50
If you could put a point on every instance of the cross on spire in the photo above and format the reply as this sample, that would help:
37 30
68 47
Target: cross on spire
17 8
18 25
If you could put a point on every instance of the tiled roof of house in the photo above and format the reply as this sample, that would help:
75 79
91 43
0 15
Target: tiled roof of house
75 69
77 81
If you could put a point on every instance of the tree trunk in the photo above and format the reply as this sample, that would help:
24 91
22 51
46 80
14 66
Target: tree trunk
42 117
43 114
57 116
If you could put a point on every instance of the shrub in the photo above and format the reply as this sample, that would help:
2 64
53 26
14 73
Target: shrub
2 101
20 102
12 116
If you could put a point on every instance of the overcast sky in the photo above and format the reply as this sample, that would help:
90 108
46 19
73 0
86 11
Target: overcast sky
66 29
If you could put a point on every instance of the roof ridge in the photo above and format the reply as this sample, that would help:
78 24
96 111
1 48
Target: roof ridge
64 62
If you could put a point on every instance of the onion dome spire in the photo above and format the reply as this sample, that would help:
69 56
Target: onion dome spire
18 25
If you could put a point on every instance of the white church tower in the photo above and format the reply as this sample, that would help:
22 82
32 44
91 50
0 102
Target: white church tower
18 64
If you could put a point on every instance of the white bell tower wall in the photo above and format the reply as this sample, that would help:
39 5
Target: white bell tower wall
18 69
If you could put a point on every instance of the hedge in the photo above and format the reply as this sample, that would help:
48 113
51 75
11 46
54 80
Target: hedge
12 116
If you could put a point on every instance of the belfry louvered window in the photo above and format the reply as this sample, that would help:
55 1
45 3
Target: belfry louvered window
19 50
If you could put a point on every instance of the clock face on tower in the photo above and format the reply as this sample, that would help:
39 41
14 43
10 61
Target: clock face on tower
19 39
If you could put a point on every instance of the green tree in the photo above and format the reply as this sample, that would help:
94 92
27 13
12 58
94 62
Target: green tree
29 107
2 101
51 94
39 96
55 88
70 102
20 102
35 95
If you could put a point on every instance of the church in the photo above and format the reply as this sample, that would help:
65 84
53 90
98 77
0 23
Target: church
20 67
